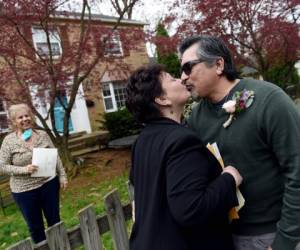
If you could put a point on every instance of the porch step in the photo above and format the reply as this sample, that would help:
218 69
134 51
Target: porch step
78 146
85 150
87 143
89 138
77 134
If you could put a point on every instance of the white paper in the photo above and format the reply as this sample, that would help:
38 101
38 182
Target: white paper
216 148
239 195
46 160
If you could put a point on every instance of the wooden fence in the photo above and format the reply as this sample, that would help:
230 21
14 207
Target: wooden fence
88 232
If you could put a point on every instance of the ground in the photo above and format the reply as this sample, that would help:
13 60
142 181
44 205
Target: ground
102 165
101 172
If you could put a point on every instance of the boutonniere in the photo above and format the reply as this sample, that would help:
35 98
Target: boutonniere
240 101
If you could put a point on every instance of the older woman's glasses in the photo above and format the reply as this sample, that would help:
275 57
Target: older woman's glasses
188 66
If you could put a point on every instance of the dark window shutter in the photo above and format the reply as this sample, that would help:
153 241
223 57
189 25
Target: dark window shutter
28 36
63 33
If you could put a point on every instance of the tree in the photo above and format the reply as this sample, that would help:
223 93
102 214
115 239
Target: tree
121 5
164 56
261 33
31 74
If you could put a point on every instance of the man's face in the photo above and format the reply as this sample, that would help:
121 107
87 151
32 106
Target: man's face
198 78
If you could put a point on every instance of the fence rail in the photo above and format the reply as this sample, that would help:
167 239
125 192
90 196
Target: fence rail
89 230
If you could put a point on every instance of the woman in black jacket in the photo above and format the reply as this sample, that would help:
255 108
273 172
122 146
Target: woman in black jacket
182 197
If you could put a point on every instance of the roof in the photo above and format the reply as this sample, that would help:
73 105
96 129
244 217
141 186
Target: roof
96 17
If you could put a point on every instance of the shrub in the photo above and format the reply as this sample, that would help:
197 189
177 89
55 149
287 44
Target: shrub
120 124
286 77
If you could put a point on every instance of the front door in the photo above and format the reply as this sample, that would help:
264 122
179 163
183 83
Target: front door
59 113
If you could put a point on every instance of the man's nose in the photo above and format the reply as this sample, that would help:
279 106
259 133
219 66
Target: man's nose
183 78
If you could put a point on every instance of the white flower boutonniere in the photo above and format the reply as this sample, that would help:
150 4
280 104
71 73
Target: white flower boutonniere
240 101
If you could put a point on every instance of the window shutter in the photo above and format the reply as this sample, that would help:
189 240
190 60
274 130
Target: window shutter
28 36
63 32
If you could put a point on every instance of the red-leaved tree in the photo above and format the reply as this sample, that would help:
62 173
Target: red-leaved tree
261 33
27 73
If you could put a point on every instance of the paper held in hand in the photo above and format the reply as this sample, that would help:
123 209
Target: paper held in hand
233 213
46 160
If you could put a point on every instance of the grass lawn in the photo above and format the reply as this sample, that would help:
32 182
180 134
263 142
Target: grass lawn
102 172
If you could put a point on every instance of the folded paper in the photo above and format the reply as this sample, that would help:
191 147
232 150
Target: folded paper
233 213
45 159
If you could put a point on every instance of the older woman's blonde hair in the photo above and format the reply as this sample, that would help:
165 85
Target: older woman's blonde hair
14 109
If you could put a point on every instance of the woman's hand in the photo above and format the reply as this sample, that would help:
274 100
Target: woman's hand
31 168
235 173
63 185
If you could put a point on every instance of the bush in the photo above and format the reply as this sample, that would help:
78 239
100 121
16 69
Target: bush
286 77
120 124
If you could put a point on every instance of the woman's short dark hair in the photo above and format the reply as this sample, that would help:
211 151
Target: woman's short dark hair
143 86
210 49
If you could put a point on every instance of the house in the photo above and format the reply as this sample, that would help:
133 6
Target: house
103 90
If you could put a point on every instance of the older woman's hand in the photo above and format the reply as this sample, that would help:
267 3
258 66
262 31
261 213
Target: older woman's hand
31 168
64 185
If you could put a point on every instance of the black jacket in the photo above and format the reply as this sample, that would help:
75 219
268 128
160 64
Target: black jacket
181 200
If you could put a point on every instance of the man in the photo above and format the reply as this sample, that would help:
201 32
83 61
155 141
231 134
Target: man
261 140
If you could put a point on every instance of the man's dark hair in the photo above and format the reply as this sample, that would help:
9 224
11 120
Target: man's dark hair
210 49
143 86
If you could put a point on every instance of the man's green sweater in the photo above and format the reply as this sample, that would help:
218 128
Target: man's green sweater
263 143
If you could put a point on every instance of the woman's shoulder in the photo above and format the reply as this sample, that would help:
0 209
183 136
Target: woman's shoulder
184 135
42 134
10 136
9 140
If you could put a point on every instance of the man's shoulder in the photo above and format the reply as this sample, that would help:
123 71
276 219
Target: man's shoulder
260 86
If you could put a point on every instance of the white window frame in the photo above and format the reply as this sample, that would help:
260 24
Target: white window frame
114 38
112 96
39 36
122 85
4 112
41 103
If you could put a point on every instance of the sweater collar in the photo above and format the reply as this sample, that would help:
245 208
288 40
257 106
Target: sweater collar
218 106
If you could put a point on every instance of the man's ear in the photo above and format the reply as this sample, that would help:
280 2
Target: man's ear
162 101
220 66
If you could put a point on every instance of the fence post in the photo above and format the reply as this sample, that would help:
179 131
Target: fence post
57 237
89 229
116 220
22 245
130 188
130 191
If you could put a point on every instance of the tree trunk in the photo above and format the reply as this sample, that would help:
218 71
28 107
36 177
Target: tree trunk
66 157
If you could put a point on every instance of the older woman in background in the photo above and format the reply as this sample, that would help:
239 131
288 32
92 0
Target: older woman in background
35 196
181 198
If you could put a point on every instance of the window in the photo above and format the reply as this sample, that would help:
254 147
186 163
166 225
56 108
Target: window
113 95
120 94
3 118
113 47
40 97
40 42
